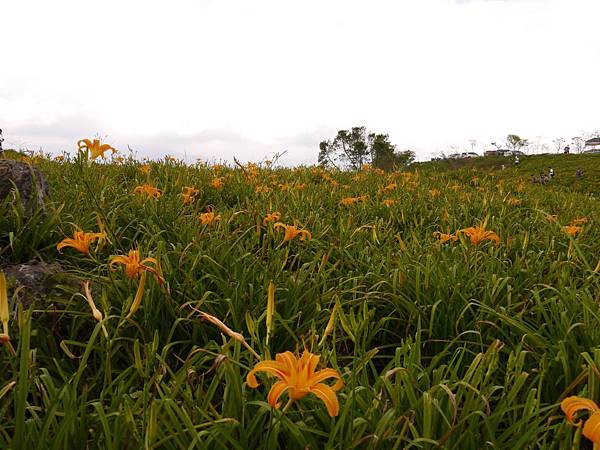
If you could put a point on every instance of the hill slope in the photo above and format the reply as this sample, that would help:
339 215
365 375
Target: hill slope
564 167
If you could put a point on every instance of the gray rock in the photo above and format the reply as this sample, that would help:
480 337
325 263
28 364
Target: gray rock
32 279
29 181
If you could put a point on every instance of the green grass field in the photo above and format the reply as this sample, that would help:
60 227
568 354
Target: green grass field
439 345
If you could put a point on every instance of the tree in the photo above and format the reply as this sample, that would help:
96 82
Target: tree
515 142
578 142
354 148
349 147
473 143
559 144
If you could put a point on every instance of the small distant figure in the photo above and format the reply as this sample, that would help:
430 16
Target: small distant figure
1 141
503 167
567 150
578 173
551 173
517 160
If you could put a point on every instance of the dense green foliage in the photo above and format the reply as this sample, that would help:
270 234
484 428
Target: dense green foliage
356 147
440 345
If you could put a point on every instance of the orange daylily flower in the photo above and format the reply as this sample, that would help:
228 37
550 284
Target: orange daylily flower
80 241
217 183
297 376
389 188
329 179
208 218
433 193
443 237
479 234
262 189
348 201
95 148
147 189
134 267
291 231
388 202
512 201
572 230
272 217
579 221
591 428
188 194
145 169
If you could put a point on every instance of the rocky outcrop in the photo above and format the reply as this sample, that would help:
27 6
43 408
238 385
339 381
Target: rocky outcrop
33 280
29 182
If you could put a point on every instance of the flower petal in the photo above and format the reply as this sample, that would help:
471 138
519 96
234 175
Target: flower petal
117 260
325 374
270 366
287 359
328 396
574 404
276 390
591 429
67 242
137 301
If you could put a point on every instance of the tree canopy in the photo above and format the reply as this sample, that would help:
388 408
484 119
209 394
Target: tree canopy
515 142
355 147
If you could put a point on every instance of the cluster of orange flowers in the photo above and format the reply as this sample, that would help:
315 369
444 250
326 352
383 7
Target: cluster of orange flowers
349 201
389 188
134 265
476 235
271 217
574 227
297 375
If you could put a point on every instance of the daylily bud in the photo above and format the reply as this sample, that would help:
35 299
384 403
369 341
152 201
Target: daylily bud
270 308
88 295
4 315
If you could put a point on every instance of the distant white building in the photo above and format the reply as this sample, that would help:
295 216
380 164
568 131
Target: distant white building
592 145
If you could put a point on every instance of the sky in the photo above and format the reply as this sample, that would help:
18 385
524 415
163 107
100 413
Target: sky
214 79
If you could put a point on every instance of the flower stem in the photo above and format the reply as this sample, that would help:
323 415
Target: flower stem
287 406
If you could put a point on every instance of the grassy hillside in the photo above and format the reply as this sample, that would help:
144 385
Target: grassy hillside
462 344
564 166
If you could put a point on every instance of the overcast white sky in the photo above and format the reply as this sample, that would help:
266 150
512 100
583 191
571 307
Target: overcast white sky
213 79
